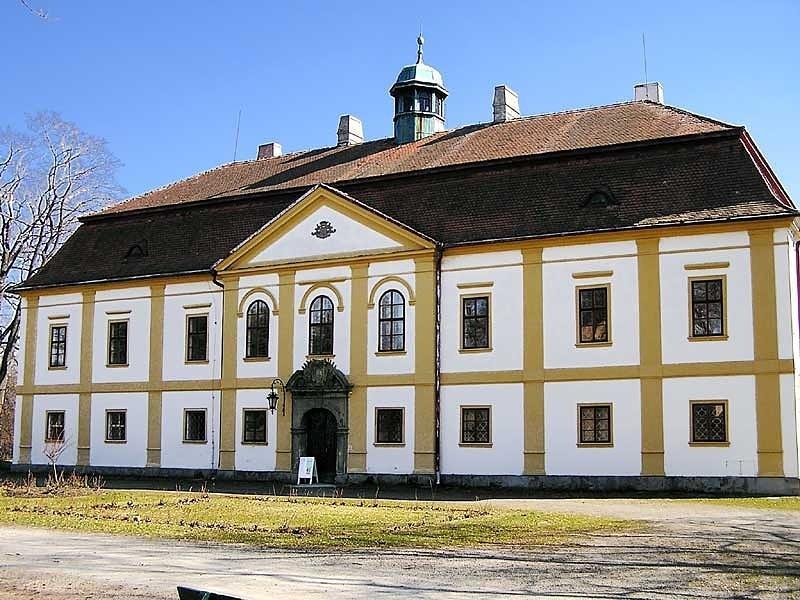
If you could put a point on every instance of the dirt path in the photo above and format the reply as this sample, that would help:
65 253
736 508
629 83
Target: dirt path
690 551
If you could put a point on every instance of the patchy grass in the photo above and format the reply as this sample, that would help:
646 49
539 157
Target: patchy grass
289 522
769 502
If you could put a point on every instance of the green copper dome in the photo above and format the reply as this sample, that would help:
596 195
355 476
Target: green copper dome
420 73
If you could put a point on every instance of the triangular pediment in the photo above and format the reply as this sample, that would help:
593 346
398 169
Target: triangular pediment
323 223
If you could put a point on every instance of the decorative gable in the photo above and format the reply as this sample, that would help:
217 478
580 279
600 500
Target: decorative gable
323 223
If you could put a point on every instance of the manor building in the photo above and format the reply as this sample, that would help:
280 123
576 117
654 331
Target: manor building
604 297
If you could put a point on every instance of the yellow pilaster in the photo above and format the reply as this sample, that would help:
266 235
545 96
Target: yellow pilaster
424 358
533 361
357 438
25 403
765 348
651 382
227 416
85 396
286 281
155 375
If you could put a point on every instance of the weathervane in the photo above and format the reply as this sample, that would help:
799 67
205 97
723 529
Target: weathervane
420 41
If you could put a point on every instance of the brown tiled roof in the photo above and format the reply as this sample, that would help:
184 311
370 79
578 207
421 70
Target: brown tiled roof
710 178
558 132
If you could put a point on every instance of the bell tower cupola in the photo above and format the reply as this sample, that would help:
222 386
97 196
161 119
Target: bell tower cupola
419 96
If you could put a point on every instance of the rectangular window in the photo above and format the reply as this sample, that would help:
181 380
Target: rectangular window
194 425
255 426
116 422
389 425
593 315
594 424
58 346
707 307
474 322
197 338
709 422
476 425
118 343
54 429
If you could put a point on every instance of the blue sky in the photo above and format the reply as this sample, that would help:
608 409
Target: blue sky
163 82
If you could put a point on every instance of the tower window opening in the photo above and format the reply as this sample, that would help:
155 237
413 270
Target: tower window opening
408 103
425 101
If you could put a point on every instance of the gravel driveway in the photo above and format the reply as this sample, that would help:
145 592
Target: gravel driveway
688 551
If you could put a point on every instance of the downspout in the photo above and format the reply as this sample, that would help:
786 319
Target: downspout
437 367
214 451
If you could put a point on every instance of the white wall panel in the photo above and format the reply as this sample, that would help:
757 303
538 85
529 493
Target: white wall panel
740 457
115 302
259 367
250 457
563 455
393 460
505 457
61 402
175 452
68 310
132 453
789 425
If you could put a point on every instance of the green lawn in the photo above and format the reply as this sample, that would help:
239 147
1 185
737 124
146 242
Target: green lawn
289 522
775 503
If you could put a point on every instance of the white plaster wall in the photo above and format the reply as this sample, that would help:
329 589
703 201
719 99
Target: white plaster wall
69 306
734 239
132 453
341 320
350 236
784 279
675 316
505 457
563 456
385 364
560 312
43 403
176 297
251 457
385 459
589 251
260 368
137 301
740 458
175 452
505 316
789 426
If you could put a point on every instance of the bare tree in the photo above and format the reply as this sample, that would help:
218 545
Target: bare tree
53 449
50 176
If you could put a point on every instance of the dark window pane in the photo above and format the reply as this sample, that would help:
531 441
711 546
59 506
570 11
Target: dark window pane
197 338
55 426
118 343
593 315
58 346
475 427
320 334
391 322
115 426
707 308
389 426
475 322
255 426
709 422
595 424
257 338
194 426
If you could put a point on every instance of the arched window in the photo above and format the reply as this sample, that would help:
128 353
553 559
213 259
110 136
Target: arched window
257 330
392 322
320 326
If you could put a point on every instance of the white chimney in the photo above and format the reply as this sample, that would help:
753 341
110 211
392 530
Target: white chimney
649 91
350 131
270 150
506 104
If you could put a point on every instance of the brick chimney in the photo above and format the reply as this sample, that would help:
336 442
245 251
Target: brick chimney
270 150
505 105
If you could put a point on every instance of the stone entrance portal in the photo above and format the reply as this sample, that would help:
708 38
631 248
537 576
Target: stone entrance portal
320 399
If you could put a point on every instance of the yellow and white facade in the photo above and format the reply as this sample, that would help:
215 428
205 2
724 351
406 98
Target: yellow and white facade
533 375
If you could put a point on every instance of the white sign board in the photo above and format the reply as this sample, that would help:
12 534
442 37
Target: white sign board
307 469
